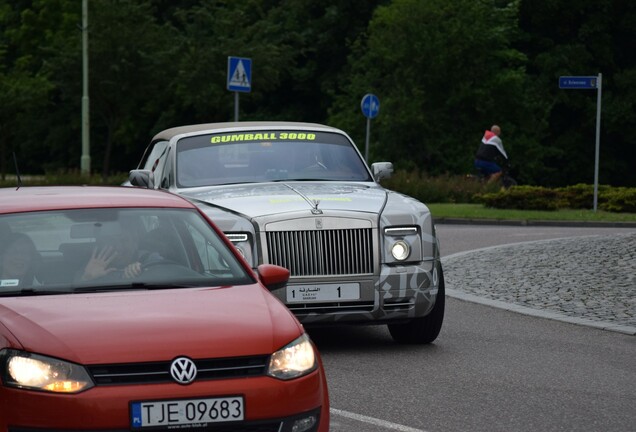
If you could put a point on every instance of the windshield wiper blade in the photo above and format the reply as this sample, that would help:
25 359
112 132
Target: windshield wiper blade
307 179
32 292
131 287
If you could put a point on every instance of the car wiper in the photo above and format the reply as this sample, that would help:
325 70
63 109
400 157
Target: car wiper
134 286
230 184
25 292
292 180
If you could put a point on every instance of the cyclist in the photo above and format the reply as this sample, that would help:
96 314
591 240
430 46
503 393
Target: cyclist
491 155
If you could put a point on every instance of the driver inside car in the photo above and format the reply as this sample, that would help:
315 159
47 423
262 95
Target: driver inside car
118 254
18 261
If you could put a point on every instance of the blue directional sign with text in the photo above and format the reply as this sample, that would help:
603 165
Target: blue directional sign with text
578 82
239 74
370 105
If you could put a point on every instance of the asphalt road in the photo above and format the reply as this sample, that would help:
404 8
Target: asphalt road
489 370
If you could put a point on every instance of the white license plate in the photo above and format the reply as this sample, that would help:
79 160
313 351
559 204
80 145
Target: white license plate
192 412
323 292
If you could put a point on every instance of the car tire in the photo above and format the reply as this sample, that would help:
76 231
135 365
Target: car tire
423 330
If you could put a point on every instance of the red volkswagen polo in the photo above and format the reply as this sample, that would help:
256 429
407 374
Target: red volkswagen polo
125 309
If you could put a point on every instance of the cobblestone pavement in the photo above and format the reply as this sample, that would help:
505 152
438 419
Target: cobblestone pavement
583 280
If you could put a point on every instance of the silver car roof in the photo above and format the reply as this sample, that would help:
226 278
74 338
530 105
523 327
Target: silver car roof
168 134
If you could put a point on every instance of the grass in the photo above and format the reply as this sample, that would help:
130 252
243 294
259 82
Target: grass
478 211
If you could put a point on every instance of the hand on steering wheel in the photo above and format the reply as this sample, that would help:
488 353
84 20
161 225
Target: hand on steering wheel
132 270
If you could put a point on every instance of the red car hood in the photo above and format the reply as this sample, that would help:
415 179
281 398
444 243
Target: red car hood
137 326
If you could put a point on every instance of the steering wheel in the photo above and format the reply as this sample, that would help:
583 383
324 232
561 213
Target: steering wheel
156 263
317 166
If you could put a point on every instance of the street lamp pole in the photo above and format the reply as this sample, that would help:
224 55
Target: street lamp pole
86 158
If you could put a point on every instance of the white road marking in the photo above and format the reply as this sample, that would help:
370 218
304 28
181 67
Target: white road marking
373 421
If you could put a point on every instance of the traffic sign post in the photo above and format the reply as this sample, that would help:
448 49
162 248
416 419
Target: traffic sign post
239 79
578 82
370 106
589 83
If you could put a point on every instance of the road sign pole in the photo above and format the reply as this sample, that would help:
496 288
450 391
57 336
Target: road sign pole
236 106
370 106
598 136
85 160
366 143
589 82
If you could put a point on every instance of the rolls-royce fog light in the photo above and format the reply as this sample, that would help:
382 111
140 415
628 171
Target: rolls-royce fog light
400 250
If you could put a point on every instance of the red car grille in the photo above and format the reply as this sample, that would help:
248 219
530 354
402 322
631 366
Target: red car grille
159 372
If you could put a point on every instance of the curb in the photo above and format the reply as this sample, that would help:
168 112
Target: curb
525 310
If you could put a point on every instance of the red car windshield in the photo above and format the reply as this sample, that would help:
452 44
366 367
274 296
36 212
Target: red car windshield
85 249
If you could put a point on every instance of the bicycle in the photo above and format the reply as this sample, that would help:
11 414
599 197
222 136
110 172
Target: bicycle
505 179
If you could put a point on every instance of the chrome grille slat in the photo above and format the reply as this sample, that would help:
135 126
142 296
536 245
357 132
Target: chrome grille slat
322 252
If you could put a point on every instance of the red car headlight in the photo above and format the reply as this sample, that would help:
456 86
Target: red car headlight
294 360
37 372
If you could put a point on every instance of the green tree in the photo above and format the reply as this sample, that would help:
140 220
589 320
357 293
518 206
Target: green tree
317 38
212 31
298 51
131 72
595 36
24 85
444 71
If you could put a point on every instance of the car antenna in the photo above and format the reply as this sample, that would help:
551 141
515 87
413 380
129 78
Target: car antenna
17 171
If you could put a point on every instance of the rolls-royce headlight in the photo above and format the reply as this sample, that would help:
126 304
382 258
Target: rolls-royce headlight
36 372
402 244
242 243
294 360
400 250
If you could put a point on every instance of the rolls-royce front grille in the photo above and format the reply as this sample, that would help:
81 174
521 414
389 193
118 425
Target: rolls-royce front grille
322 252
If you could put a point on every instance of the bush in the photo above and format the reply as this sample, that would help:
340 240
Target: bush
522 198
622 200
579 196
440 189
470 190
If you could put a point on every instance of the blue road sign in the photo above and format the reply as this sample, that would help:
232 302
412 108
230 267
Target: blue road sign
239 74
370 105
578 82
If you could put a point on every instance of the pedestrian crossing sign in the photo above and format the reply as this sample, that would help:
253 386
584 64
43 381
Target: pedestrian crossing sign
239 74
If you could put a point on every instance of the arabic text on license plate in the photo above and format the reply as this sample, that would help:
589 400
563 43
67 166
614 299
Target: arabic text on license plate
186 412
323 292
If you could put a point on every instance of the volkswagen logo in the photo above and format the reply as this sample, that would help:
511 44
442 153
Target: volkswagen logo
183 370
